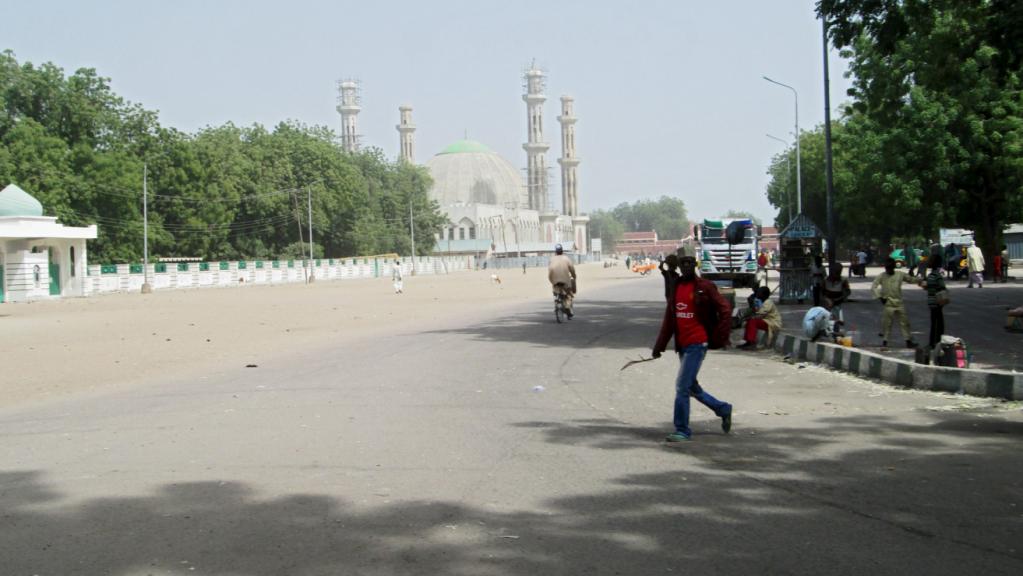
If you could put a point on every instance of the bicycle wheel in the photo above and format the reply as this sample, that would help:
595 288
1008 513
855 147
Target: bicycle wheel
559 309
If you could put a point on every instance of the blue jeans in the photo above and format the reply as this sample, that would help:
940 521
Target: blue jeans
691 358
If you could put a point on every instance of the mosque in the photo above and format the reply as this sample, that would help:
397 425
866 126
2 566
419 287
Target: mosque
490 210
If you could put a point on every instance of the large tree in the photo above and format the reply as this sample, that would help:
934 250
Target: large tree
224 192
936 109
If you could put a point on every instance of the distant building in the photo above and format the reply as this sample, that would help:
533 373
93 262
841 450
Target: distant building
646 244
39 258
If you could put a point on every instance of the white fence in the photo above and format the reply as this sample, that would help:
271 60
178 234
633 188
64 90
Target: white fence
170 276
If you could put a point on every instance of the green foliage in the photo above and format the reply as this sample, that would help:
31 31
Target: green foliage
605 226
667 216
934 136
223 193
742 214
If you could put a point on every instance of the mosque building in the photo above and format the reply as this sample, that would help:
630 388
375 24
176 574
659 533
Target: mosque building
491 211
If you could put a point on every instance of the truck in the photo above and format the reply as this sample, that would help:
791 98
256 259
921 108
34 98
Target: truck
725 263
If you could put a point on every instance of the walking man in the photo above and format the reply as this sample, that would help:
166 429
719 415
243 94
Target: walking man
697 317
399 285
937 295
975 262
887 288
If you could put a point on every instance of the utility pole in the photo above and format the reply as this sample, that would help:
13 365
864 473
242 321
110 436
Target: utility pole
412 230
827 148
146 288
309 196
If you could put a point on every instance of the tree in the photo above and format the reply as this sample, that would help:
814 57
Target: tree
742 214
937 102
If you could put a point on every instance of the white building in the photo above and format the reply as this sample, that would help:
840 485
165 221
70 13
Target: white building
486 203
39 258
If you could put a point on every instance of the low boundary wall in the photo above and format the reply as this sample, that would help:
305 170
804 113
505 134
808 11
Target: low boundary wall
174 275
991 383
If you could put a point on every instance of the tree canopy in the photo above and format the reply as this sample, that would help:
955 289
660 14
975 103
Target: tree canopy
224 192
933 136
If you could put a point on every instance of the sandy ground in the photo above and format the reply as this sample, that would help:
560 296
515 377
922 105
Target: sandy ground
58 347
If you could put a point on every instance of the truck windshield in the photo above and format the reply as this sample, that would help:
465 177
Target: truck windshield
717 235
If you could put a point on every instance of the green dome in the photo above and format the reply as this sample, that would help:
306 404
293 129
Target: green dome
463 146
16 202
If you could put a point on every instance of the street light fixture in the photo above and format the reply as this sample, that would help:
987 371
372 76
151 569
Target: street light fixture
788 174
799 175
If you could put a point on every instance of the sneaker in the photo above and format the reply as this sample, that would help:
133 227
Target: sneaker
747 346
569 315
676 437
726 421
911 344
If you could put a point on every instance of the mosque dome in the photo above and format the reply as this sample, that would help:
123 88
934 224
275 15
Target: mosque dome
469 172
16 202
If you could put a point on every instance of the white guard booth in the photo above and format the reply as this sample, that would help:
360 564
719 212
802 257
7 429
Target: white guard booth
39 258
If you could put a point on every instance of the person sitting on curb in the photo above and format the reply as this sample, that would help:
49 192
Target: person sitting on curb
887 288
766 317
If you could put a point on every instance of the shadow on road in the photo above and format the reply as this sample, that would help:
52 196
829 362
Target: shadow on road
853 495
616 324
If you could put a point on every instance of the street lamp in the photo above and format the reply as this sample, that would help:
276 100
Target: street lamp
799 176
788 174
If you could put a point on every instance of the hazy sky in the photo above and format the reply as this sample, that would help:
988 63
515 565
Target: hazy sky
669 94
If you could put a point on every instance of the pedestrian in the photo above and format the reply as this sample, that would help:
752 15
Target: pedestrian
937 298
975 264
817 278
1005 263
887 288
817 321
628 263
523 266
837 290
909 258
697 317
396 278
765 318
951 260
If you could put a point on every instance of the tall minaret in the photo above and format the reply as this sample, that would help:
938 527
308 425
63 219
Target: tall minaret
536 148
568 160
406 131
348 101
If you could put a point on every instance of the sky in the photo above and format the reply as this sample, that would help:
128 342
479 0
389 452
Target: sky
670 95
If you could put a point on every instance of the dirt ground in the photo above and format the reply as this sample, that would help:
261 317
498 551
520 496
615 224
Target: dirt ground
58 347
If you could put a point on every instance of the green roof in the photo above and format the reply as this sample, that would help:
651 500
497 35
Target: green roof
463 146
16 202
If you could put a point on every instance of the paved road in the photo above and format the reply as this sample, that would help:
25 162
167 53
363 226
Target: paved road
975 315
436 453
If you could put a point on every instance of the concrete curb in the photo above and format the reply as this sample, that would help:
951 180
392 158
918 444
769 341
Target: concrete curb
990 383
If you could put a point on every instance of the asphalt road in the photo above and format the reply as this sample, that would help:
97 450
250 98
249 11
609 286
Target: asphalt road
510 445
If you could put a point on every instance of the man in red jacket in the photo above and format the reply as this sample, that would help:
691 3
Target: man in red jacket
698 318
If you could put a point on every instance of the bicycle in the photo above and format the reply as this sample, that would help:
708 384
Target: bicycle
559 304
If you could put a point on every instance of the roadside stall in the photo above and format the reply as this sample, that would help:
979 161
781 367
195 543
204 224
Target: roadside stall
799 241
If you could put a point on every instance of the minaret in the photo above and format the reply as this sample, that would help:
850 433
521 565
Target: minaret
568 160
406 131
535 147
348 101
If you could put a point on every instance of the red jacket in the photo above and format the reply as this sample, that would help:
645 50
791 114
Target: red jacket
713 311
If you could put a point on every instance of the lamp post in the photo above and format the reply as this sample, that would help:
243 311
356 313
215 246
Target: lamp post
788 174
799 176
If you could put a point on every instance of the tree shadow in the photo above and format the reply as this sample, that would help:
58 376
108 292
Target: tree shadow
848 495
616 324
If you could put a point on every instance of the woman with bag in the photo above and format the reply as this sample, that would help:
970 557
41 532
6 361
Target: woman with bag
937 298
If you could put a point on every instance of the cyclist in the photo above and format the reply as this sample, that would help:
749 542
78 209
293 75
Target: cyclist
561 274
